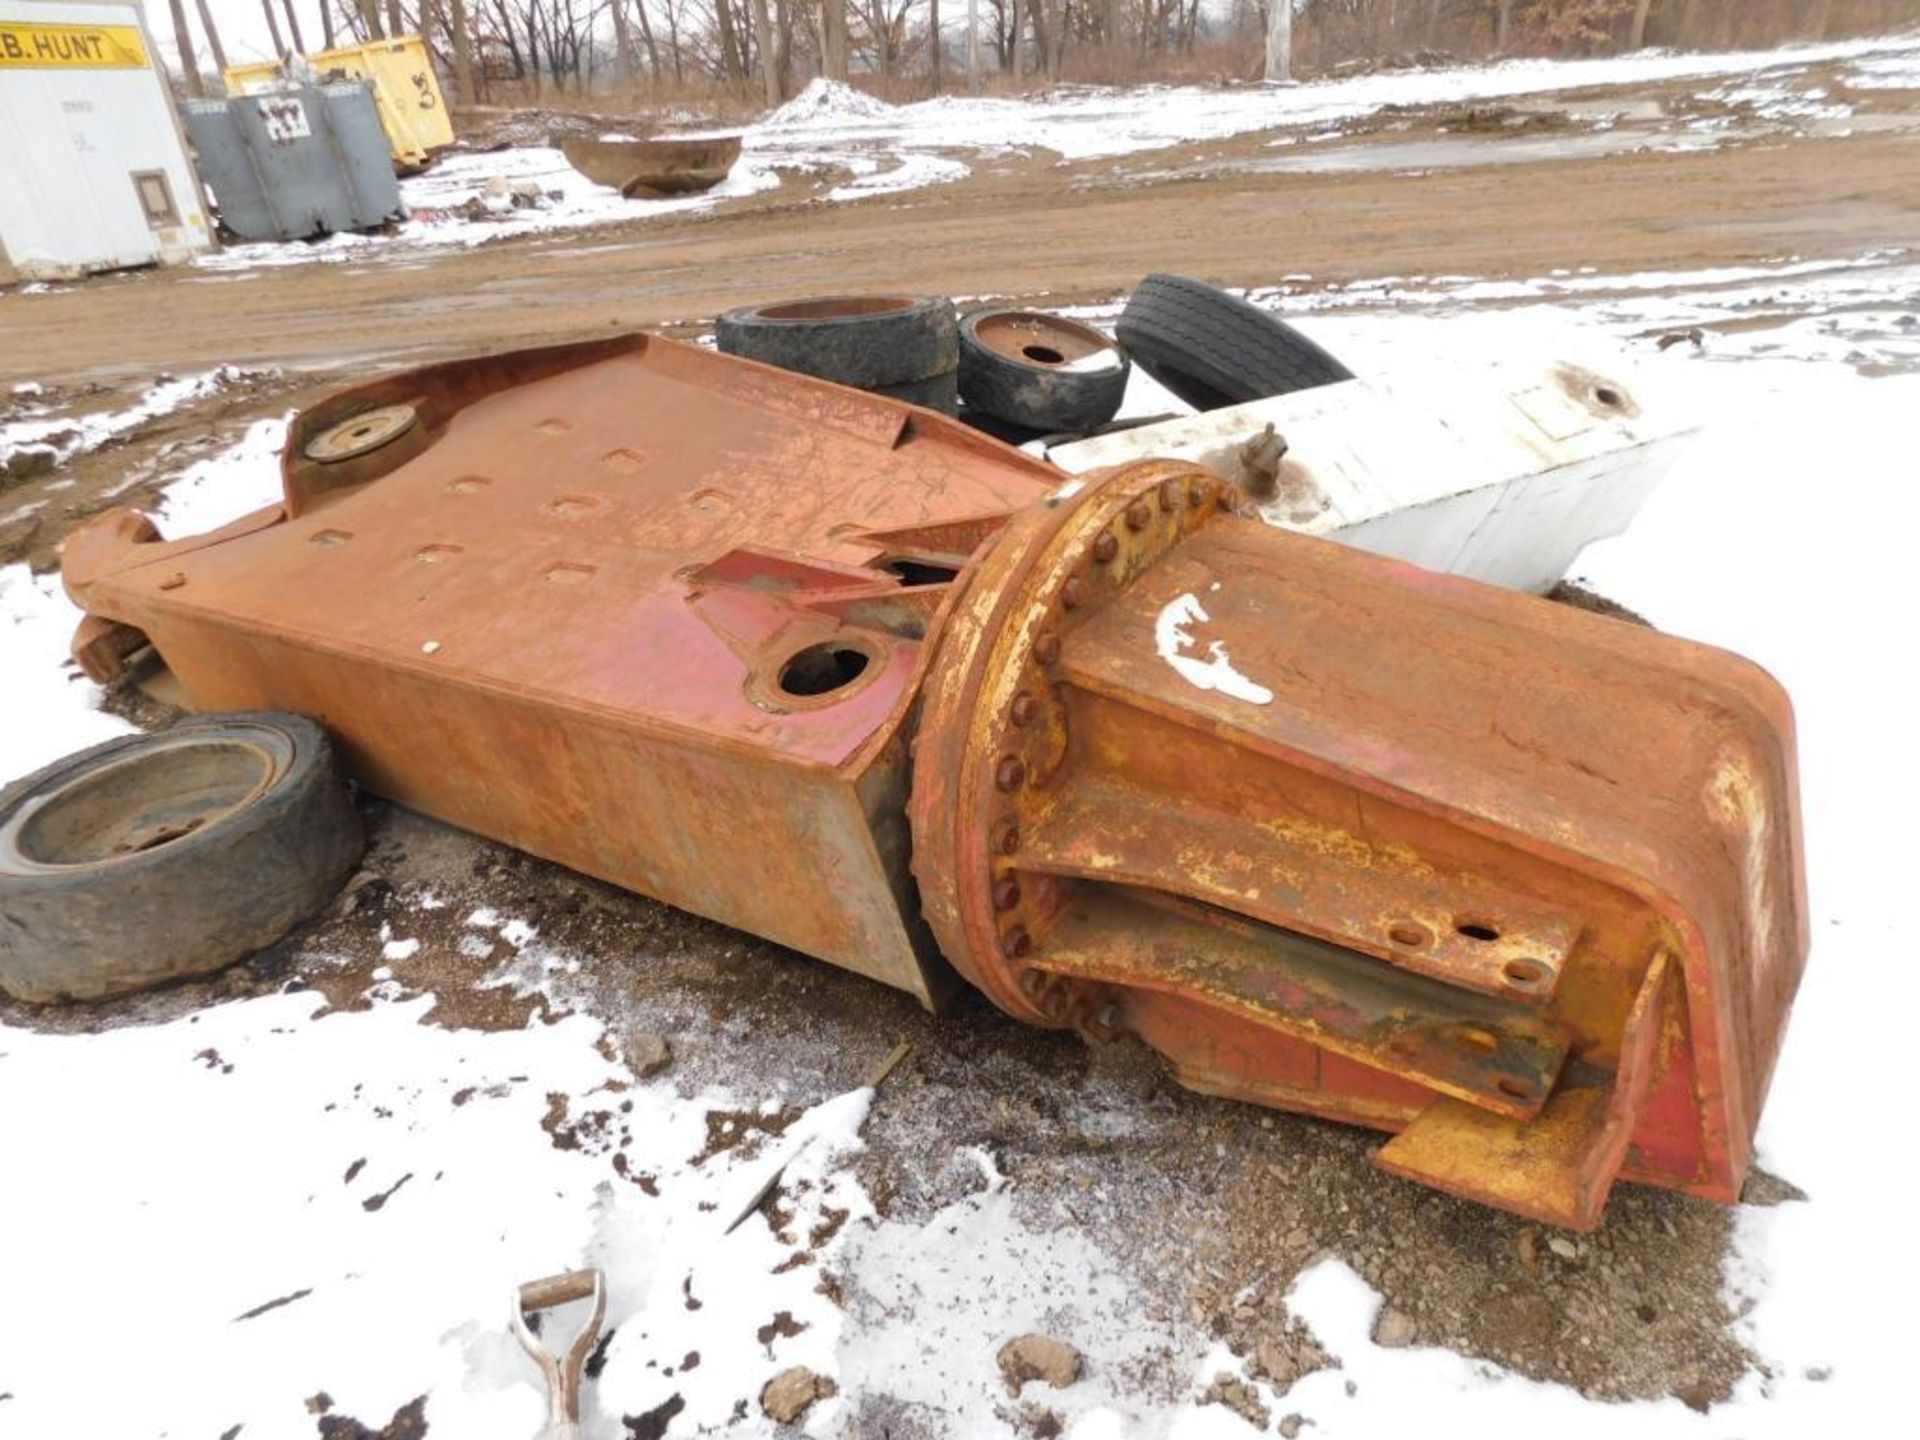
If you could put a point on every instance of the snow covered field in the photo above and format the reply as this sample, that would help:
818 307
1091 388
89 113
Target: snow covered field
211 1220
885 149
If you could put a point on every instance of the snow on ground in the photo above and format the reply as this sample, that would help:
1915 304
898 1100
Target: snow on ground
235 1210
437 201
887 149
1088 122
66 432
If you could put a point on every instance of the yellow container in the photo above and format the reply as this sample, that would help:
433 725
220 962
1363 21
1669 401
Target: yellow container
406 92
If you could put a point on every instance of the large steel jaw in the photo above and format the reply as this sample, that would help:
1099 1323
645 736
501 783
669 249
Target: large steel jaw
1330 832
1343 836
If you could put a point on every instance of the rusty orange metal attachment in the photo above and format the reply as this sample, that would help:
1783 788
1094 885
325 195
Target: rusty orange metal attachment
1519 884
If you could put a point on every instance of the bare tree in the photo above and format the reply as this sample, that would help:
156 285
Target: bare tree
462 41
763 42
183 42
213 37
293 27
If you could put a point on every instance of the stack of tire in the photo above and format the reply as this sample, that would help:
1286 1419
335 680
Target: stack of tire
895 345
1024 373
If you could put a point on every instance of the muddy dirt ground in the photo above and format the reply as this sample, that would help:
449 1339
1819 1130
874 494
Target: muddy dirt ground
1214 1206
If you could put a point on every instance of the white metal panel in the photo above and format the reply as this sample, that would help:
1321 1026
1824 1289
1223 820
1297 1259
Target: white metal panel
75 137
1503 471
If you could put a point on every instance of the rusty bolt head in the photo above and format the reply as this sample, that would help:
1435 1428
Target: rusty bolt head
1024 710
1169 495
1106 545
1006 893
1138 515
1006 835
1009 772
1201 492
1073 594
1047 648
1016 943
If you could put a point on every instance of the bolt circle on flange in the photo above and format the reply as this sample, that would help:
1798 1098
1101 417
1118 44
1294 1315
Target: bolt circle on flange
361 435
993 754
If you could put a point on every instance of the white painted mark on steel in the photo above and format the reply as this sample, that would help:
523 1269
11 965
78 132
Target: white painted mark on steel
1172 637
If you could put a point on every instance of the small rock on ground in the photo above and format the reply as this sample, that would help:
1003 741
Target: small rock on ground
1394 1330
1038 1357
1238 1396
648 1054
786 1397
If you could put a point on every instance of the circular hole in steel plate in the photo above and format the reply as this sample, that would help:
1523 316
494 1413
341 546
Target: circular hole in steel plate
1477 929
821 669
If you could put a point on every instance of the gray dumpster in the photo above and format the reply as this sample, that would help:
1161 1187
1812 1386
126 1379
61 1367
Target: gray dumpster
303 161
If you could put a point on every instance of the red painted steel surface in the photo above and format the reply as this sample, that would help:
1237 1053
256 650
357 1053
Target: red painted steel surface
1520 884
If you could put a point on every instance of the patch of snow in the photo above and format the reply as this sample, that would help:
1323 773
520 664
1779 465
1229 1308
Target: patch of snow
826 101
568 201
223 487
71 435
913 172
52 710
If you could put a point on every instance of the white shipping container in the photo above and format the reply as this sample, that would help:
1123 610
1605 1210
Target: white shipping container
96 174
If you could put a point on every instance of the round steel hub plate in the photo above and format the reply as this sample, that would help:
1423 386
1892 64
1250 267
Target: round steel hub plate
364 433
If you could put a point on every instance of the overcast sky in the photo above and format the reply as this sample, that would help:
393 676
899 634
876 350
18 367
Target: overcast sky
243 28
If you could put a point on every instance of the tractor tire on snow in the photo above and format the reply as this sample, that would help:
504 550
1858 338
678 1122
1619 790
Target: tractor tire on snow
159 856
871 342
1213 349
1040 371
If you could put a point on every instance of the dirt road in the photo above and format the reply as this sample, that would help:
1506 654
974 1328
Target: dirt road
1075 232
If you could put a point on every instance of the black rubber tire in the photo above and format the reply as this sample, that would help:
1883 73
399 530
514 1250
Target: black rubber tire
1041 395
267 836
1213 349
866 341
938 392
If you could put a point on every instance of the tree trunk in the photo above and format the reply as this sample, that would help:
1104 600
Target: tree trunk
973 44
1113 24
213 39
646 39
327 36
370 18
273 28
1279 41
1637 32
783 43
461 38
396 21
723 23
1503 25
293 28
1037 18
1018 58
933 40
622 41
183 42
763 42
1821 26
833 38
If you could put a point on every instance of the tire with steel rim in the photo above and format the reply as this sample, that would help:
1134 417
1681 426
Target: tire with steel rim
1041 371
1213 349
155 857
867 341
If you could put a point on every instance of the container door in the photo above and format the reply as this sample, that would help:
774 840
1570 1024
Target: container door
123 233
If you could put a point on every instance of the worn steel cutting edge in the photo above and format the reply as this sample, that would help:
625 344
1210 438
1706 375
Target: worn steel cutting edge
1519 884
